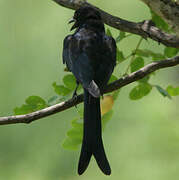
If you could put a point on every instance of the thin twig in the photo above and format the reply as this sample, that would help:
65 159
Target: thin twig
134 54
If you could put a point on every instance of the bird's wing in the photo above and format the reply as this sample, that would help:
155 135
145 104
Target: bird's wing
108 63
78 61
66 54
111 43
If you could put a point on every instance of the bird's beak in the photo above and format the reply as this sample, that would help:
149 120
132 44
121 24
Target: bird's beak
74 25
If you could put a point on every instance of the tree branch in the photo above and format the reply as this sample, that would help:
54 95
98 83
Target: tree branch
27 118
168 10
144 29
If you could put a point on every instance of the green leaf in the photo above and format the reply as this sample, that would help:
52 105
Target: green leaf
140 91
112 79
76 124
74 136
75 133
109 32
162 91
80 111
71 143
105 118
69 81
159 22
36 101
173 91
61 90
24 109
115 94
149 53
120 56
137 63
33 103
145 79
144 52
121 36
118 39
170 52
157 56
52 100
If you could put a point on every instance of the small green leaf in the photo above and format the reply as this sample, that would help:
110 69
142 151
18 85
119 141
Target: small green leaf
137 63
121 36
144 52
170 52
53 99
36 101
145 79
115 94
120 56
71 143
109 32
74 136
60 89
76 133
173 91
24 109
33 103
149 53
76 124
80 112
69 81
162 91
105 118
140 91
118 39
112 79
157 56
159 22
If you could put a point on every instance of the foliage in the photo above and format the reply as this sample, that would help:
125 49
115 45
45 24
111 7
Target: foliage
32 103
163 92
139 91
173 91
159 22
135 60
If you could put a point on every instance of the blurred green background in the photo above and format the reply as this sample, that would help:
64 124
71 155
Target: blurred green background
141 139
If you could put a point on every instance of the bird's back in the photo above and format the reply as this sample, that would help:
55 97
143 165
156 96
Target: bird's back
99 49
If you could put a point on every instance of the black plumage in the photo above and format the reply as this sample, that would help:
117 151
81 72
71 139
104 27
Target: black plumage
91 56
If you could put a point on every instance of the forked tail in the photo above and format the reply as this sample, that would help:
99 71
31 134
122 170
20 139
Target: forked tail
92 136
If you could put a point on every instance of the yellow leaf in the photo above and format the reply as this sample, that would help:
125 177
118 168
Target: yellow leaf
106 104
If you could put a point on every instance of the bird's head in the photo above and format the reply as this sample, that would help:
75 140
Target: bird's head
84 14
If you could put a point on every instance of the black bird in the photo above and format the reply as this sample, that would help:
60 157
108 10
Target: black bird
91 56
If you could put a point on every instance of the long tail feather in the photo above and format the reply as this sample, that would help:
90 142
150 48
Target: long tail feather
92 136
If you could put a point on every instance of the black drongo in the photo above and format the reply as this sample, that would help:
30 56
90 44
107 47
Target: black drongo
91 56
